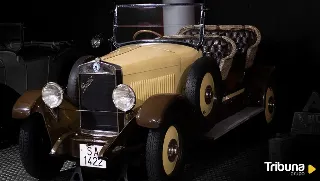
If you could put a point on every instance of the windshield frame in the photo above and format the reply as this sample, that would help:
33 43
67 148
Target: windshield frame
201 24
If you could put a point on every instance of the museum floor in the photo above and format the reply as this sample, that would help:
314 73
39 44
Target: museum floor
236 156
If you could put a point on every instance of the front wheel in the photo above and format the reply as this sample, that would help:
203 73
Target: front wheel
34 147
164 154
203 89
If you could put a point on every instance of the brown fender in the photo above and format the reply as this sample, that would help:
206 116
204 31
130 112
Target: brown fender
26 104
151 113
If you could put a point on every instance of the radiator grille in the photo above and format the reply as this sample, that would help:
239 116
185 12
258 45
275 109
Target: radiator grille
98 111
96 92
146 88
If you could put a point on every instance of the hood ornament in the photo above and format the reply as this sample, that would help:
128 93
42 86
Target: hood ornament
96 65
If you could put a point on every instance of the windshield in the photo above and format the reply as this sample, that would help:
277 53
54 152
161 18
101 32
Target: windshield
153 22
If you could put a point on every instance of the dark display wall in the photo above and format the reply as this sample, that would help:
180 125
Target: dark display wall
289 28
289 39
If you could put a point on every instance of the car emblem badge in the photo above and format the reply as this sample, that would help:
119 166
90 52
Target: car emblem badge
96 65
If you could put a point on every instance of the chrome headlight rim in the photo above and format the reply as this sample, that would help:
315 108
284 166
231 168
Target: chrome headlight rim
96 42
59 96
131 91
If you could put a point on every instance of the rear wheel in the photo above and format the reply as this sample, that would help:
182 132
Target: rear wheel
270 109
269 105
164 154
34 147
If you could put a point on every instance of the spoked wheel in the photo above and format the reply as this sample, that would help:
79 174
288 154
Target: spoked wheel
164 154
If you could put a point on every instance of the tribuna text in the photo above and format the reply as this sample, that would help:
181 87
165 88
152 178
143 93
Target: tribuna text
284 167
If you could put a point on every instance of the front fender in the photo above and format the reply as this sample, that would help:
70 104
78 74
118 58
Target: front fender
152 112
26 104
65 120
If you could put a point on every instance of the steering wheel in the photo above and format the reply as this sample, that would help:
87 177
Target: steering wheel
146 31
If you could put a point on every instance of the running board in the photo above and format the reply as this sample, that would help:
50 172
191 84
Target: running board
233 121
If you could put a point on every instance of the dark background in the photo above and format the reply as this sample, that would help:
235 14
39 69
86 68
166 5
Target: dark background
290 34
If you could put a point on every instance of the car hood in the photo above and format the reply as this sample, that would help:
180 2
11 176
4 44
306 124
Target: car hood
136 58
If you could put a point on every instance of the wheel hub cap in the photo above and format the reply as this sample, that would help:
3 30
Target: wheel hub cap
173 149
271 104
208 94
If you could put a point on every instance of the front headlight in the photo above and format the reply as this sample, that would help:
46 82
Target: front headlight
52 95
124 97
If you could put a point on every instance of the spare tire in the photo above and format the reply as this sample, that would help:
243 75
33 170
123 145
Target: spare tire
72 89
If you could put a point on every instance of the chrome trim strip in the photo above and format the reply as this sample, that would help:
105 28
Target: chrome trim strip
157 5
99 133
230 96
59 142
111 67
82 110
202 27
89 141
53 114
154 41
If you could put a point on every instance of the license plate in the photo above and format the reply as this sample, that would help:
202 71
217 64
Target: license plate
89 156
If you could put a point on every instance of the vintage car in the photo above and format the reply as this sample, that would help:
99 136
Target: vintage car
156 94
28 65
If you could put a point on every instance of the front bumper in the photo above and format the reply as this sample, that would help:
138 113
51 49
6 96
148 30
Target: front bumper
68 144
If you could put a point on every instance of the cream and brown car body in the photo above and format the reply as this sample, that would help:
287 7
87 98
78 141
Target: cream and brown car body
157 71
